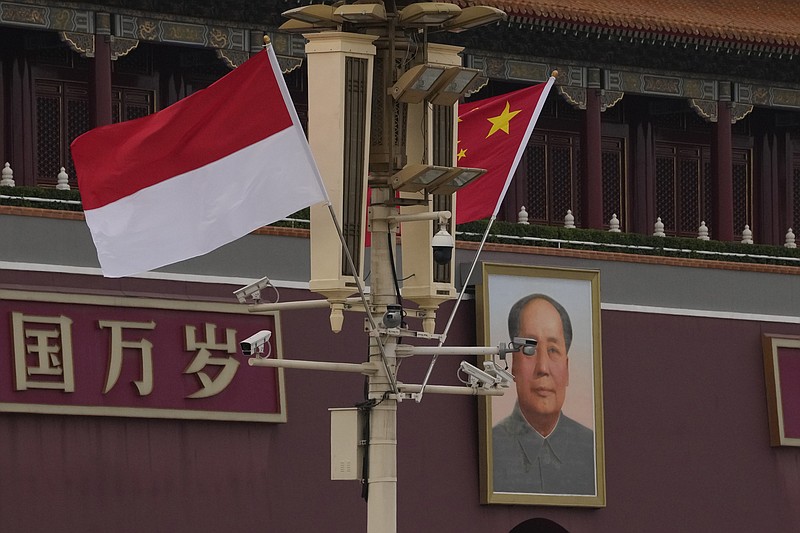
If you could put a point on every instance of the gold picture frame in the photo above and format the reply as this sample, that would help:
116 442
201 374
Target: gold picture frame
561 393
782 374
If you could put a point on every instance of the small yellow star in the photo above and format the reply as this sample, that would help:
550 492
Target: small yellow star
502 121
462 153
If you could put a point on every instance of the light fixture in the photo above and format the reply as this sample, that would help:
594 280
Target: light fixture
455 179
298 26
416 83
474 16
361 13
428 13
452 85
416 176
313 14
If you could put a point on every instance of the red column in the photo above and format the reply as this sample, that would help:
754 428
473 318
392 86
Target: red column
722 177
592 197
100 84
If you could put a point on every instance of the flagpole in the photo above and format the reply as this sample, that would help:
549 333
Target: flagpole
517 157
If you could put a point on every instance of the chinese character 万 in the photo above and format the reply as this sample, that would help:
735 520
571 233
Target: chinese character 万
118 345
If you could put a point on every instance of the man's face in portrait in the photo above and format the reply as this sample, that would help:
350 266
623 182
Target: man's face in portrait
542 378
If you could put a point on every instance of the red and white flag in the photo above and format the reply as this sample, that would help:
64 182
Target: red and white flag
203 172
493 134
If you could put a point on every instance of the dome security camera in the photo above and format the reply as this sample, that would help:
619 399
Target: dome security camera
442 244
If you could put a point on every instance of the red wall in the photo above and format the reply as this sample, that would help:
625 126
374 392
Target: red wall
686 440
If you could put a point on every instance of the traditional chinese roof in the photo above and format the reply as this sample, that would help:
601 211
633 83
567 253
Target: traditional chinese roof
764 24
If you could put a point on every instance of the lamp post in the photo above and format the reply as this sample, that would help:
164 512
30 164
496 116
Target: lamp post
360 96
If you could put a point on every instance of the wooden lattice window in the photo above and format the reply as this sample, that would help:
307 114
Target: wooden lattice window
552 176
613 168
62 114
742 190
796 193
684 195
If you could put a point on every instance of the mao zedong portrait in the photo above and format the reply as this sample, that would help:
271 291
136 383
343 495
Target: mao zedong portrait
538 449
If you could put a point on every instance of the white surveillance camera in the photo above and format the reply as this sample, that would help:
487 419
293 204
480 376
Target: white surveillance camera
254 344
505 377
477 377
254 290
526 344
442 244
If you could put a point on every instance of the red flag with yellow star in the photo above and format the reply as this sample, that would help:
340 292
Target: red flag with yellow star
493 134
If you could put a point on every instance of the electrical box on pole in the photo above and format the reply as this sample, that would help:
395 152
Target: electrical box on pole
347 443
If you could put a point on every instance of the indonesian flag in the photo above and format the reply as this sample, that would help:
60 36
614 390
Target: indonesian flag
203 172
493 134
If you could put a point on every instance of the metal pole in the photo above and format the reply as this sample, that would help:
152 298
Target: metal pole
382 449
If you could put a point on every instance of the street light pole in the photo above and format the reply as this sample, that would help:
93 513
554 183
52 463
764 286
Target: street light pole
382 447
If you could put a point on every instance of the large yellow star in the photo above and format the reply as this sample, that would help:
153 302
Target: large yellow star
502 121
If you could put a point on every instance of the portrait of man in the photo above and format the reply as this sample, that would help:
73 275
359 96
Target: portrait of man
542 439
538 449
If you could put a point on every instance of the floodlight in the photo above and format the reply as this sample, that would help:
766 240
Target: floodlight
416 83
416 176
361 13
452 84
298 26
428 13
455 179
312 14
474 16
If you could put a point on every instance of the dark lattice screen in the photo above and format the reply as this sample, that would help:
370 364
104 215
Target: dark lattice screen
707 194
443 120
552 177
613 170
665 190
62 114
684 196
535 175
742 191
355 102
688 215
796 196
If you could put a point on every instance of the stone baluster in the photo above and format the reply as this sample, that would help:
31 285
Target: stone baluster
790 242
613 224
747 235
7 177
569 220
63 180
702 232
658 228
522 216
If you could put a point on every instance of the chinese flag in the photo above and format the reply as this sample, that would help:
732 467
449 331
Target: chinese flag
493 134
